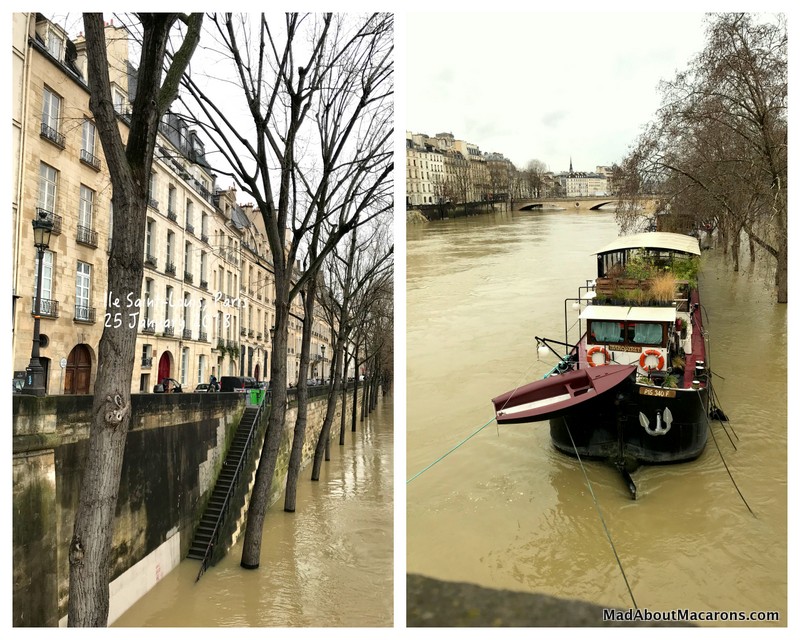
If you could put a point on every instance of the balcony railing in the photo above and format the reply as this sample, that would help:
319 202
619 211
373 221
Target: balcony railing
203 336
48 133
220 343
187 334
230 344
190 228
172 215
204 237
251 333
187 277
86 236
52 217
169 332
169 269
152 203
48 309
150 261
90 159
84 314
204 285
149 327
243 332
147 362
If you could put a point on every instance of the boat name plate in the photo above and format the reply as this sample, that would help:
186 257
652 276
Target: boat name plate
659 393
622 347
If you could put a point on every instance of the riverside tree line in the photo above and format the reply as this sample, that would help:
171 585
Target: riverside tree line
716 151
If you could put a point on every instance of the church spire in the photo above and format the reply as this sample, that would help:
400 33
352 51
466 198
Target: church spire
570 164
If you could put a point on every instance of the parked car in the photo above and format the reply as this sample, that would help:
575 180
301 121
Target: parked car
203 387
240 384
168 385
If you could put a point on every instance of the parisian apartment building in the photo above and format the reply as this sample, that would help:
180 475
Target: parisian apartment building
442 169
207 298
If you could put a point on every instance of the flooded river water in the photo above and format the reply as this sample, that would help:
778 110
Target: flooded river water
506 510
329 564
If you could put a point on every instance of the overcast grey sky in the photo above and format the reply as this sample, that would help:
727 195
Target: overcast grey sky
544 85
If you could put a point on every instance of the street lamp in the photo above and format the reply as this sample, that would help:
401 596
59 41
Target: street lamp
322 347
34 378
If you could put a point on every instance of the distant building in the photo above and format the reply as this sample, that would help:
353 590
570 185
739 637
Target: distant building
576 184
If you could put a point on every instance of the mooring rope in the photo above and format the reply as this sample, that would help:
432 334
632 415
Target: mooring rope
474 433
600 513
725 464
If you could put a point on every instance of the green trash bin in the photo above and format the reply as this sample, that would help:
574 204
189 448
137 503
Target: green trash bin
256 396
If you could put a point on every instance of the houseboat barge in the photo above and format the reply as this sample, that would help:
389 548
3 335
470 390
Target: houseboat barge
634 388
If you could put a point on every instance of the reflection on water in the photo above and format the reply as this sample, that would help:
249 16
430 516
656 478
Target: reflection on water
328 564
508 511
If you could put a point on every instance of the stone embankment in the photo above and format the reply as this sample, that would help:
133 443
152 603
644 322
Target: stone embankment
434 603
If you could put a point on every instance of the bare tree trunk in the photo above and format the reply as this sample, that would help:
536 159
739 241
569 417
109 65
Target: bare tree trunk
129 165
296 454
355 390
259 501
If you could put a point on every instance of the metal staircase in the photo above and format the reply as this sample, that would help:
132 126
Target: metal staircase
208 530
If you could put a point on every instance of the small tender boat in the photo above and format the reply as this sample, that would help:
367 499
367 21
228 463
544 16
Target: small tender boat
633 386
557 395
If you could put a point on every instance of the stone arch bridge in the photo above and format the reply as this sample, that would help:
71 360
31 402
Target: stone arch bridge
591 203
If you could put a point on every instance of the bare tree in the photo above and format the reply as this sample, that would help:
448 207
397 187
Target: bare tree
366 261
317 90
534 177
129 164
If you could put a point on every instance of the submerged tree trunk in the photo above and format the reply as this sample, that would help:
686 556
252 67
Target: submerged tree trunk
259 501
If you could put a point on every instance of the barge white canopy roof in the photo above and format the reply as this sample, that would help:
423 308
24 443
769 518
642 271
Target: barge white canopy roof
639 314
654 240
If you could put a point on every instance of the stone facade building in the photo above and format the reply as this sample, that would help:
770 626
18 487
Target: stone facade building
207 298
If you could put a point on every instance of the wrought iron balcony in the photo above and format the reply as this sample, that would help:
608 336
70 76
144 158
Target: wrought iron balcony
150 261
243 332
48 133
84 314
90 159
203 336
48 308
52 217
204 285
187 334
149 326
250 333
86 236
172 215
187 277
169 269
190 228
169 332
152 203
147 362
204 237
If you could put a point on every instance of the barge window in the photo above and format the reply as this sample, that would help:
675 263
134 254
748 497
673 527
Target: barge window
645 333
606 332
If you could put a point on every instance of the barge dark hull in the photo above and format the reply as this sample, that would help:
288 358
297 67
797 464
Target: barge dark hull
613 431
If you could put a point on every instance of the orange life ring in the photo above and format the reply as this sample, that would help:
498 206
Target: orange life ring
651 352
594 350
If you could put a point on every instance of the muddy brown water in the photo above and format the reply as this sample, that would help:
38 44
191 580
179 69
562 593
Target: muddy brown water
329 564
506 510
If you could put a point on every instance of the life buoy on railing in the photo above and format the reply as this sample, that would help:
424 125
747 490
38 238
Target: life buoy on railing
651 352
594 350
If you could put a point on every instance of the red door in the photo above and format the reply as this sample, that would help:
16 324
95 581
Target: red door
78 371
163 367
257 372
